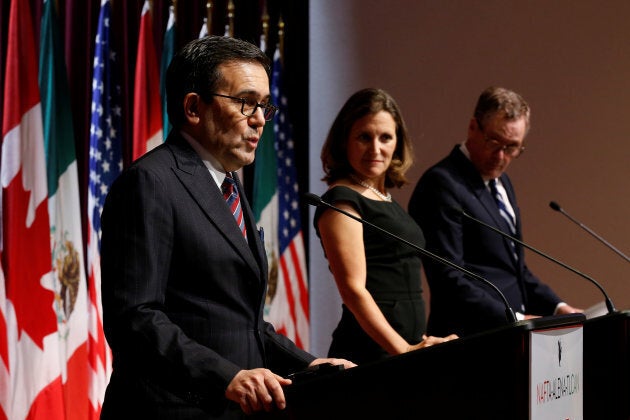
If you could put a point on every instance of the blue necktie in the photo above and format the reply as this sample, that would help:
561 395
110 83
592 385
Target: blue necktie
230 194
503 211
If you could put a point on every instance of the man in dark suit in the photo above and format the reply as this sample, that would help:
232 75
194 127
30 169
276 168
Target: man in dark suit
472 178
184 271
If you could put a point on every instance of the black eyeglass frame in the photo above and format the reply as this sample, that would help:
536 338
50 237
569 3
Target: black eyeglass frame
269 110
495 145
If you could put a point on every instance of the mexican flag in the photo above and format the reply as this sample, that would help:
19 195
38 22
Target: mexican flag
69 280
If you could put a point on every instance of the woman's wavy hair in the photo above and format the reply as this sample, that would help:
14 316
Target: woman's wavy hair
364 102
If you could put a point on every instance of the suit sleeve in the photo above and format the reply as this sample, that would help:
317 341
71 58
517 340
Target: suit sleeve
542 300
284 356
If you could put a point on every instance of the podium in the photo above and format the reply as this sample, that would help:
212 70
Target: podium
482 376
607 367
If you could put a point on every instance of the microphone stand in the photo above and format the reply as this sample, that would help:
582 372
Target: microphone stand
557 208
609 304
316 201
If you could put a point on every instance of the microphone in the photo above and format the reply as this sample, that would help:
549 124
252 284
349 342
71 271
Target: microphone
557 208
316 201
609 304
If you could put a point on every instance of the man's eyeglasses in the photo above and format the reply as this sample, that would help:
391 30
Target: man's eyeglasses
249 106
511 150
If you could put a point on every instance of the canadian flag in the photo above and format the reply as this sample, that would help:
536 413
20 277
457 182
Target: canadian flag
5 378
31 360
147 107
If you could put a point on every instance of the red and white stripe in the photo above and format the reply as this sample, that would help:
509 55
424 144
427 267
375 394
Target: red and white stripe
290 310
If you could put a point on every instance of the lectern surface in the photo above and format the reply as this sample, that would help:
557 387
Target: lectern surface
484 376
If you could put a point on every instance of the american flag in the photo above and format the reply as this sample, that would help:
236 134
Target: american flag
105 164
292 265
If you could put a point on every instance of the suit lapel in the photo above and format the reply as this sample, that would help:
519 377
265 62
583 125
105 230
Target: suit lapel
195 177
475 183
479 189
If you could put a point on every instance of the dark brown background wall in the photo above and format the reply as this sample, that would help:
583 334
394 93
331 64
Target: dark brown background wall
569 59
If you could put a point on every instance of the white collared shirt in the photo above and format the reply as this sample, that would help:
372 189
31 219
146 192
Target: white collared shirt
214 167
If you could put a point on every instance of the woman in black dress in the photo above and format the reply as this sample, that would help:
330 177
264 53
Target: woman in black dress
368 151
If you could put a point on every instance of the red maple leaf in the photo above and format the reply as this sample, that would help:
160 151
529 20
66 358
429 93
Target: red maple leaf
27 259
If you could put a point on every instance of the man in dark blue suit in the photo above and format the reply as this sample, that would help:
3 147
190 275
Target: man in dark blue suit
472 178
184 271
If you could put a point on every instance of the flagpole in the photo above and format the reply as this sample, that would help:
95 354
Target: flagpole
230 15
281 39
209 17
265 27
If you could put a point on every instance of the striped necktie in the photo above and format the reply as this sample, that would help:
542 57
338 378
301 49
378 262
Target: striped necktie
503 211
231 196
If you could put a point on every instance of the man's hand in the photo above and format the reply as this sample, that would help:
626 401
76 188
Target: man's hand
257 390
564 308
346 363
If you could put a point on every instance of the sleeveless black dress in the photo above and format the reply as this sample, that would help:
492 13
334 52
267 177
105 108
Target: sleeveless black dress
393 276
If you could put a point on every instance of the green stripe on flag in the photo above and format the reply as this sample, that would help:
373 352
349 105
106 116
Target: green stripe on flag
265 171
53 85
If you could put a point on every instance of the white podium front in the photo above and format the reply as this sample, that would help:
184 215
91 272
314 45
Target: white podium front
556 373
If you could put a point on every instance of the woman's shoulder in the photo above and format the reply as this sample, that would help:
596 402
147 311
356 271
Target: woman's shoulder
342 192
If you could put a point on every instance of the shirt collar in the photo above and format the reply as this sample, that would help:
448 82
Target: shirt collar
214 167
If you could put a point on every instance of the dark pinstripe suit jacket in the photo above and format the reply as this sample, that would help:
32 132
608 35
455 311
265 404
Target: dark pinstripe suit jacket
183 292
458 304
